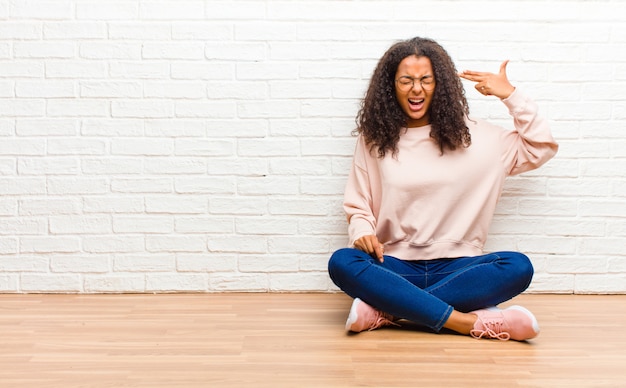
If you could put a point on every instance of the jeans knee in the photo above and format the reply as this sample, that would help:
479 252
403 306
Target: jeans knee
524 267
338 261
345 264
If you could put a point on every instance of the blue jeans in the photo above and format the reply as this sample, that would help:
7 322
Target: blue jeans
427 291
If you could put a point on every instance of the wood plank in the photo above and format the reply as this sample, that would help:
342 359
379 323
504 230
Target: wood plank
293 340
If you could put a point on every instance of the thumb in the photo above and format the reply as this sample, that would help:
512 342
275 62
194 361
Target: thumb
503 67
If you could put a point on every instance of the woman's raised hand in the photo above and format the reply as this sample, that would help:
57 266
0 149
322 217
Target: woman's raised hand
490 84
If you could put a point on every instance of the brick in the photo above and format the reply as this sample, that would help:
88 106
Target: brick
114 283
202 30
600 284
46 49
255 128
22 69
74 30
24 147
142 147
143 224
102 50
8 283
8 246
144 31
299 167
139 70
51 283
238 205
22 108
204 147
204 224
205 109
310 127
145 263
76 146
560 284
142 109
241 10
20 30
252 263
172 10
202 70
41 10
180 165
176 204
271 147
177 50
8 166
49 244
142 185
74 69
113 244
299 282
46 127
111 10
189 262
52 89
47 166
230 51
267 185
22 186
211 185
79 224
289 244
80 264
265 225
48 206
113 204
237 244
176 282
252 282
239 166
322 185
111 89
174 90
254 90
8 207
177 128
77 108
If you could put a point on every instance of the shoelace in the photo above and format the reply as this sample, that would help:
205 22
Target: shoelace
382 320
493 329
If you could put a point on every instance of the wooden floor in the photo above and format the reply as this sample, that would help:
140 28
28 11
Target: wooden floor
293 340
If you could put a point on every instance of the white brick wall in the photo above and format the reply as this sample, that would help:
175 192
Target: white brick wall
161 146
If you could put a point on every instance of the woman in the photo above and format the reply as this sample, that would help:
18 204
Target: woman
421 194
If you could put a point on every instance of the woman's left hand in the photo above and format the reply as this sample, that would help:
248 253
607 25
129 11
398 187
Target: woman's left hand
490 84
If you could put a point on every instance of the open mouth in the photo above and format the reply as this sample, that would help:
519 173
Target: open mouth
416 103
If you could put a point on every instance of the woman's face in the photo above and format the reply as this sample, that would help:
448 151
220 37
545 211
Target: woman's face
415 86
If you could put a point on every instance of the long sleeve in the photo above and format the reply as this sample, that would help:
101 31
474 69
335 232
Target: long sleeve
531 144
361 186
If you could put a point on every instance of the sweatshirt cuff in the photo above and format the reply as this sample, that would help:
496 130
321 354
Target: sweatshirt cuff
517 102
358 228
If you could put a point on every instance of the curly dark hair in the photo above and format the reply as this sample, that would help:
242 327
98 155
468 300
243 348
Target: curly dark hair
380 118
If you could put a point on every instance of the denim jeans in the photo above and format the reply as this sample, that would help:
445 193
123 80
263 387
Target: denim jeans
426 291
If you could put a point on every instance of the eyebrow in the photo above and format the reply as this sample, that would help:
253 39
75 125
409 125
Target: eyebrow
422 77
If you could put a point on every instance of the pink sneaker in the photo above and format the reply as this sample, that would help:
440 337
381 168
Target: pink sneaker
514 322
364 317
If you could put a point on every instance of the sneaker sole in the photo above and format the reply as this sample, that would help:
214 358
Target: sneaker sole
531 315
353 316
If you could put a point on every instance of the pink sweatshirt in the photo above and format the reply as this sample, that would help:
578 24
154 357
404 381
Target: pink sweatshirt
423 205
